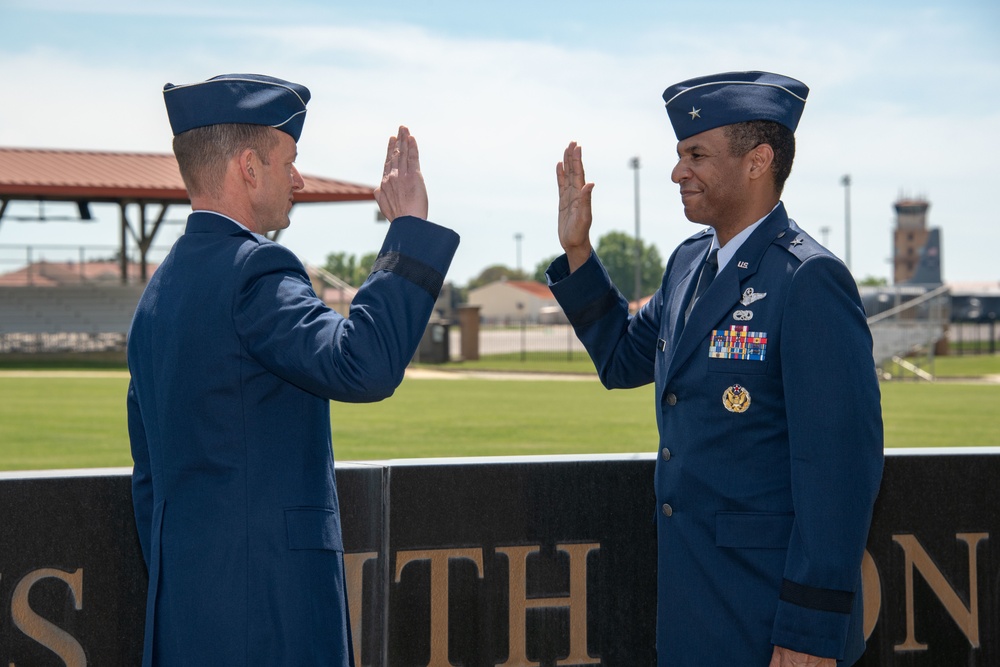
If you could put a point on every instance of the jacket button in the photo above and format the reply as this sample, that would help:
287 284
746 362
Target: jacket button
665 453
667 510
671 399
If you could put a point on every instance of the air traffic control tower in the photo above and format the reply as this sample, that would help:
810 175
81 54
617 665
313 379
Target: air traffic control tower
910 237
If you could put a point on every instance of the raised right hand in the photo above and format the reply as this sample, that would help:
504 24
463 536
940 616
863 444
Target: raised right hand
575 216
402 191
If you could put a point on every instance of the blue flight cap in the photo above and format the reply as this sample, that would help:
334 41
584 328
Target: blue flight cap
707 102
253 99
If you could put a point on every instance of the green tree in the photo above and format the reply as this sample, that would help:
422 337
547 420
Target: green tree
873 281
365 264
496 272
542 267
617 253
349 268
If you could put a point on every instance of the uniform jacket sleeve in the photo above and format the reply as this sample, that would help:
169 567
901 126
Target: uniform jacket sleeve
836 451
289 331
622 347
142 485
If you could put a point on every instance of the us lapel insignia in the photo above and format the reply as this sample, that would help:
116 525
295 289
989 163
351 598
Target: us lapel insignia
749 296
743 265
736 399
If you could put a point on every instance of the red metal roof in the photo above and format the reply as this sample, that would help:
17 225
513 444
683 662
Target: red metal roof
53 274
538 289
27 173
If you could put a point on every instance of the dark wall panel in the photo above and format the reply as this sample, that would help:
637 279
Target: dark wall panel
504 562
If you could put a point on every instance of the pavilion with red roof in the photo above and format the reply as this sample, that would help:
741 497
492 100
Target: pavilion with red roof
151 182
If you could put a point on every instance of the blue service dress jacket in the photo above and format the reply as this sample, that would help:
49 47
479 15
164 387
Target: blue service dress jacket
234 360
770 456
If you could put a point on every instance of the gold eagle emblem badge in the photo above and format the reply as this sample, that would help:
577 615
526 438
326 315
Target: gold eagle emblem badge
736 399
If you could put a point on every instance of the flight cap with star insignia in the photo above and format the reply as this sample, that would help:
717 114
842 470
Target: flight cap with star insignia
707 102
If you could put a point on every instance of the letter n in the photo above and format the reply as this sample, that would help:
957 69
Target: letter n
917 558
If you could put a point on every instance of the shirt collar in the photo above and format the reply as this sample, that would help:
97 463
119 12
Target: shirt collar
223 215
727 251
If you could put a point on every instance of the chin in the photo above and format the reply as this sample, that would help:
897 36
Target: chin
277 227
691 216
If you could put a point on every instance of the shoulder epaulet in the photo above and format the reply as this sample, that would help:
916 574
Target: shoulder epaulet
698 236
797 242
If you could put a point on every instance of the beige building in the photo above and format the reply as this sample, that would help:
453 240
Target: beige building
516 301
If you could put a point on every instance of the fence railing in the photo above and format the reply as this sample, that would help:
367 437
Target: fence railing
521 340
70 263
973 337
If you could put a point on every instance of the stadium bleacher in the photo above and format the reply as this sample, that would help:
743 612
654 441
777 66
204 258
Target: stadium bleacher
79 318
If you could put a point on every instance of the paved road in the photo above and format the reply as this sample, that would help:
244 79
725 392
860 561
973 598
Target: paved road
552 338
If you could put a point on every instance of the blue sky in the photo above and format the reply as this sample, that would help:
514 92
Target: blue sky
905 97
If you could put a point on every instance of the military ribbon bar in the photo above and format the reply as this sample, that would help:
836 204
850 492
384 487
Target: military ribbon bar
738 342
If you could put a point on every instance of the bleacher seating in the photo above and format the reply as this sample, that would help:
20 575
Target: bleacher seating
915 325
66 318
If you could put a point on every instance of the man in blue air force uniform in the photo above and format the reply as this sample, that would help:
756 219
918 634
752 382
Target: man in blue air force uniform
766 397
234 360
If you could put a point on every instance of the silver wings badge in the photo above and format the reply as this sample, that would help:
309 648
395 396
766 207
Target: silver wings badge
749 296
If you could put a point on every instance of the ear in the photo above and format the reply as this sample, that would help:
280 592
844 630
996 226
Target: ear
761 158
248 163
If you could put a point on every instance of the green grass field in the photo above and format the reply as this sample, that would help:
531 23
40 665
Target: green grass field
50 421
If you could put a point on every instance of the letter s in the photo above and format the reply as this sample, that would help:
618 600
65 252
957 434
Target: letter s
41 630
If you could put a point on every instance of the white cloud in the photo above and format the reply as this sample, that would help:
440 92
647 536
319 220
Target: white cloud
492 117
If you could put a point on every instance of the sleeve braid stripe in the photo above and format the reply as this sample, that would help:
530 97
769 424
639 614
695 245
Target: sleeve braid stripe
595 310
823 599
423 276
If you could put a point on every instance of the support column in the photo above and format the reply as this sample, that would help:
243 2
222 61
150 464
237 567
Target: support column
468 321
123 255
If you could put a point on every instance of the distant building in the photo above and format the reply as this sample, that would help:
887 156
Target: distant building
909 238
337 294
517 301
67 307
636 305
975 301
64 274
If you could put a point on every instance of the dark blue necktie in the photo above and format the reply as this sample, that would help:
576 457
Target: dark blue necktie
708 271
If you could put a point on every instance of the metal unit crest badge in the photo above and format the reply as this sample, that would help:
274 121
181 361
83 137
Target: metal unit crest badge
736 399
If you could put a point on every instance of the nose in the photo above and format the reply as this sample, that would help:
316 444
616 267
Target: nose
679 173
297 182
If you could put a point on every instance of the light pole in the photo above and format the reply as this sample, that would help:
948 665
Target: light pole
634 164
517 240
825 232
846 182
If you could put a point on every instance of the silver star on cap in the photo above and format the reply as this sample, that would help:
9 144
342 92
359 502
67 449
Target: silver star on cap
797 241
694 113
